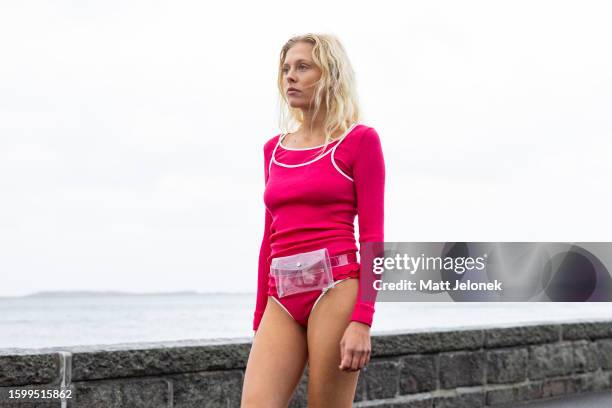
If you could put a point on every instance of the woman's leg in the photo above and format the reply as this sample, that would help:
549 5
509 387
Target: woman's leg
276 361
329 386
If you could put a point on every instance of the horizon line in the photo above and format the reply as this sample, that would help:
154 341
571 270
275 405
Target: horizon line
51 293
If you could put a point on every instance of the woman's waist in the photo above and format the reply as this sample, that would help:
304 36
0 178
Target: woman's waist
335 247
338 272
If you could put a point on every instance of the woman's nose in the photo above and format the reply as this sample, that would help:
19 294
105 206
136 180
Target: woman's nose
291 74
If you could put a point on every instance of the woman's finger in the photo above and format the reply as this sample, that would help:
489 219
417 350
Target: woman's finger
348 359
344 358
346 362
363 360
355 360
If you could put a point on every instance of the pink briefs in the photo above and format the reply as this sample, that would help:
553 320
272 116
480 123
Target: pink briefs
300 305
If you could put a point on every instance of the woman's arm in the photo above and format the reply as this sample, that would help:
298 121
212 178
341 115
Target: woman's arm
369 178
262 274
264 253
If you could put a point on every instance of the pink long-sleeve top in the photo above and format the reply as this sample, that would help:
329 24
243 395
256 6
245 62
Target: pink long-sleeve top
311 202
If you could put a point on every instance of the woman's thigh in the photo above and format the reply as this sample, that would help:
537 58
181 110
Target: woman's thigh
276 362
328 385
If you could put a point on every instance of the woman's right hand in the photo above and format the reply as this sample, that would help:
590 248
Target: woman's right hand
355 347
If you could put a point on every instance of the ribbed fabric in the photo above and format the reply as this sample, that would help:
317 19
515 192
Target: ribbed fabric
312 203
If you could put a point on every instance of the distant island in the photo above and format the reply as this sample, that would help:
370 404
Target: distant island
91 293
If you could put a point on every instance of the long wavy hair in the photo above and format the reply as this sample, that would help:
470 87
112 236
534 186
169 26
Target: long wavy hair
336 90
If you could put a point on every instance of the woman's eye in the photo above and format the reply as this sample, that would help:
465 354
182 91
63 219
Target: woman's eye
303 67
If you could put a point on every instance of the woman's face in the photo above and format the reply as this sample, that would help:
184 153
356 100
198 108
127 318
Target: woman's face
300 73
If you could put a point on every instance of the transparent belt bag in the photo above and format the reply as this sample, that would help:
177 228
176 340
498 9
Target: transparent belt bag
302 272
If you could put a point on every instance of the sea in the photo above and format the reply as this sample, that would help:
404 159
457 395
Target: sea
98 318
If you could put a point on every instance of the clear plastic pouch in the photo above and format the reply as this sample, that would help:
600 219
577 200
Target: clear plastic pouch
302 272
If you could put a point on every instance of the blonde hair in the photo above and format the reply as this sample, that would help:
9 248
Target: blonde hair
336 90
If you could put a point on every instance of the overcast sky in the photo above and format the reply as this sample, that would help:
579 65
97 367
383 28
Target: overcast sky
131 132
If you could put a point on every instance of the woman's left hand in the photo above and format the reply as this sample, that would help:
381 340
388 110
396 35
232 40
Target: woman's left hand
355 347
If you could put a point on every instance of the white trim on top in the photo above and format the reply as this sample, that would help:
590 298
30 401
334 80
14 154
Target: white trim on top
280 143
333 160
316 158
336 166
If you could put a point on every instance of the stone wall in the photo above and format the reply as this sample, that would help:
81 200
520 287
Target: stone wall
458 368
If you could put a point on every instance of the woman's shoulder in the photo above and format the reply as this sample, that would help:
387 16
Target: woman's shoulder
367 132
271 143
362 134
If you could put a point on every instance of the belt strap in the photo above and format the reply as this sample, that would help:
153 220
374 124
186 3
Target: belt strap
343 259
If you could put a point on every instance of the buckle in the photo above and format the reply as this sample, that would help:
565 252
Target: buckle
343 259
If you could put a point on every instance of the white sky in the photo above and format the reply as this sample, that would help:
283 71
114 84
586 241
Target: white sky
131 132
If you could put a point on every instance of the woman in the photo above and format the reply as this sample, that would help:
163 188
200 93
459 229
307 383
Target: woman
318 179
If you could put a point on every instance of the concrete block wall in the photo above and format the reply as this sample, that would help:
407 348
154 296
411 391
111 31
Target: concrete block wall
492 367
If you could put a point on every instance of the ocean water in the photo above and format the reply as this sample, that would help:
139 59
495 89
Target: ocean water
65 320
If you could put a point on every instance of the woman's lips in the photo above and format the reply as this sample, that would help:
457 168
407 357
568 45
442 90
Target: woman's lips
293 92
